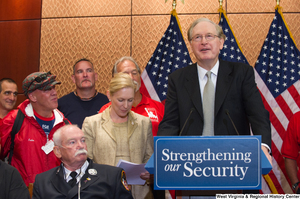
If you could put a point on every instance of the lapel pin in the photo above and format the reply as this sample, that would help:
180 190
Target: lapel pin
92 172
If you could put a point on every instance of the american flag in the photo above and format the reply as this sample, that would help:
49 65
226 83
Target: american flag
231 49
277 77
170 54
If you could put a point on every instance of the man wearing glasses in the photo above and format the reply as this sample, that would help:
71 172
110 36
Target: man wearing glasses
33 143
8 96
78 176
213 92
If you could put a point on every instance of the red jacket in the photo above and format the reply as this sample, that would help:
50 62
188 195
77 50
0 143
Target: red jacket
28 157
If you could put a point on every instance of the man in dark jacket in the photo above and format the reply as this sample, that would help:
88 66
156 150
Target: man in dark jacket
77 176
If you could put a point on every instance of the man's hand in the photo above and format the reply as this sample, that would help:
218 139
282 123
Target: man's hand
266 151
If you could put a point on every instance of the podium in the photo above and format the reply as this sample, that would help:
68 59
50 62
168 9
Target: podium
208 163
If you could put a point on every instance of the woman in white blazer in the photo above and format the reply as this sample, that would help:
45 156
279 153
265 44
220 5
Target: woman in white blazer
118 133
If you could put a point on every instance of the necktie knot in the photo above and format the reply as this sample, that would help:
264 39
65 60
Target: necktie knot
208 74
73 181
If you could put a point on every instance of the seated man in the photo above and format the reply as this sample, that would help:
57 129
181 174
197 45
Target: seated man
78 176
11 183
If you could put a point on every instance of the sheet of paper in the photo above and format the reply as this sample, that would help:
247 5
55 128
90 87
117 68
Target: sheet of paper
133 172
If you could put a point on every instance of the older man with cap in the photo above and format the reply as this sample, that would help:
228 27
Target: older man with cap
78 176
33 143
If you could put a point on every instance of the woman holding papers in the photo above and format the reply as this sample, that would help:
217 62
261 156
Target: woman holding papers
118 133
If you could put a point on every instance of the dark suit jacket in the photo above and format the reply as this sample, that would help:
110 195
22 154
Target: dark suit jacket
11 183
236 92
106 184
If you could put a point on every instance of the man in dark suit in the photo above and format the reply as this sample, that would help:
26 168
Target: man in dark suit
235 93
77 176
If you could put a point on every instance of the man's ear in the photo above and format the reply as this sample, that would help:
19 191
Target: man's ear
96 77
57 151
73 78
32 96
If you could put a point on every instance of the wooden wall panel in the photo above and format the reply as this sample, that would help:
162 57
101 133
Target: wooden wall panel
20 9
20 27
20 49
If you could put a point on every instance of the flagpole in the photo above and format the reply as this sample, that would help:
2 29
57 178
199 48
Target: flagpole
278 1
174 4
221 4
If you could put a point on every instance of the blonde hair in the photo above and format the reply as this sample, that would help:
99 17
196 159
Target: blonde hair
219 30
119 81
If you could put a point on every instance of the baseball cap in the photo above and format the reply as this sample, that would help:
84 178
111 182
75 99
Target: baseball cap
39 80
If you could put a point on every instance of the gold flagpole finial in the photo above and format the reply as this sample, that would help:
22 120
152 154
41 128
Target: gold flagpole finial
278 1
221 3
174 4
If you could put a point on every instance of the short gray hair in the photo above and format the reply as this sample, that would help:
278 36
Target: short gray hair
114 70
57 134
219 30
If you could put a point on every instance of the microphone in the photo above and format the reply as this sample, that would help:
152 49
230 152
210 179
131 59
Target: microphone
187 119
227 112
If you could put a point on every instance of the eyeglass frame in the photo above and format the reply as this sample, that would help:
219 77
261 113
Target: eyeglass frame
205 36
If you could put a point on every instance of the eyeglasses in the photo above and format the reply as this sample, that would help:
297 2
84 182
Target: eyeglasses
208 37
40 78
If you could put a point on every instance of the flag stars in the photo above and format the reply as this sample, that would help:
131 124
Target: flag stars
277 82
154 73
270 80
179 50
158 83
277 74
165 85
231 56
270 73
292 78
162 68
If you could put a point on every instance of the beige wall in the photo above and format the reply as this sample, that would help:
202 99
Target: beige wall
105 30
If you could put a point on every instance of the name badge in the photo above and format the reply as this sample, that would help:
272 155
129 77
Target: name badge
48 147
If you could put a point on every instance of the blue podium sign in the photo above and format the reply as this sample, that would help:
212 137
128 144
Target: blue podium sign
207 163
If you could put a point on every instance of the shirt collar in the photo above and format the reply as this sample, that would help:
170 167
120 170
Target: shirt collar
214 70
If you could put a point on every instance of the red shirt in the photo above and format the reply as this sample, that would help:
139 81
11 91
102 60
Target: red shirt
290 145
149 108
